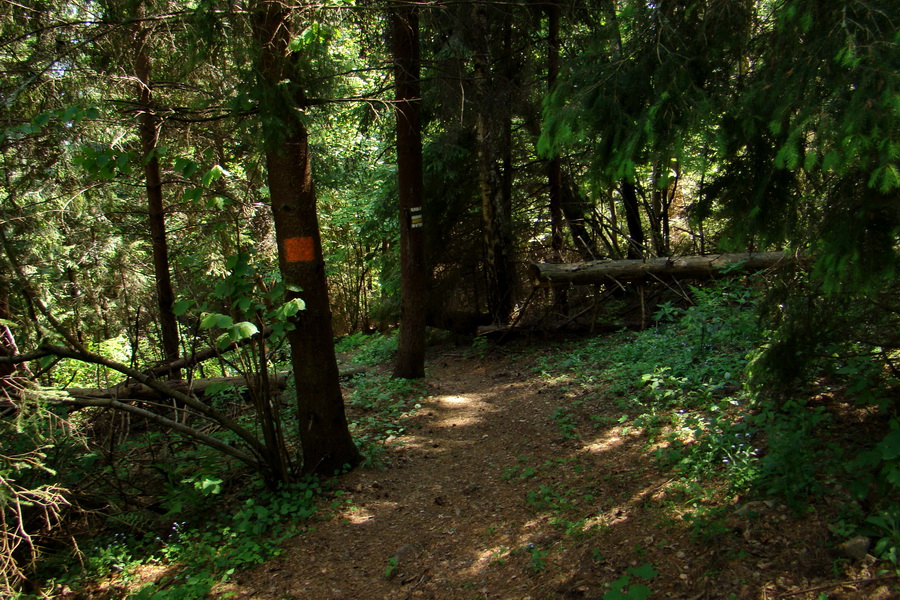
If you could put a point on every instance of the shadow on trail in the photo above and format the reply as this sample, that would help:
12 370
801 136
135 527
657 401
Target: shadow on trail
491 494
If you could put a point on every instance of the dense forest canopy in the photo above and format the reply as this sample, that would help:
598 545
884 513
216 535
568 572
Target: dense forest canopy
206 190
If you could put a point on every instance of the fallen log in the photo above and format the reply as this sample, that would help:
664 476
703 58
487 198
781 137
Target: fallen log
680 267
197 387
204 355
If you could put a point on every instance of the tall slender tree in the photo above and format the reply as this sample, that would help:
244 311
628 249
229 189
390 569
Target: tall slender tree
413 268
149 125
493 125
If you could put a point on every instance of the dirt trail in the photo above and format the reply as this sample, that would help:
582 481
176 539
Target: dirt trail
481 499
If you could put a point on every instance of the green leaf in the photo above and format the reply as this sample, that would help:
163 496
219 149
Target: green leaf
216 320
292 307
41 120
217 172
890 446
243 330
217 202
186 166
223 341
644 571
181 307
192 194
244 303
72 113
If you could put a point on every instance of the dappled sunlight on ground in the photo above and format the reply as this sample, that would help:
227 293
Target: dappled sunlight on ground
611 440
490 498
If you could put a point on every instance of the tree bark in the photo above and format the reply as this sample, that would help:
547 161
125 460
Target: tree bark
324 433
683 267
413 270
633 220
555 166
198 387
573 207
492 133
554 179
149 124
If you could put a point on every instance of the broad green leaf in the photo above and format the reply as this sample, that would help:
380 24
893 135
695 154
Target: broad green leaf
890 446
644 571
244 303
192 194
181 307
217 172
216 320
292 307
223 341
217 202
186 166
41 119
72 113
243 330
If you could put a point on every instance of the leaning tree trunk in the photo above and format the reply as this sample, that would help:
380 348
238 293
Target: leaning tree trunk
413 270
149 123
324 433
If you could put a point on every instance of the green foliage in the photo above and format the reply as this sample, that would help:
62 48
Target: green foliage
391 568
374 349
625 589
565 421
381 404
796 456
884 527
212 552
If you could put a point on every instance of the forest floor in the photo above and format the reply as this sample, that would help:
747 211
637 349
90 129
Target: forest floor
493 492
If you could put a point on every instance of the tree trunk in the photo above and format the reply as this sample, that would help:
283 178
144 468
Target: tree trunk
149 124
633 220
8 347
554 179
492 127
683 267
324 434
413 270
573 207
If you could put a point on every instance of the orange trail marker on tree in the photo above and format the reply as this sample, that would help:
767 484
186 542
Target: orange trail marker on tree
299 249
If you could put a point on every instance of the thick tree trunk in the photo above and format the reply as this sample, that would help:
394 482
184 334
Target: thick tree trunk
323 429
149 133
682 267
413 269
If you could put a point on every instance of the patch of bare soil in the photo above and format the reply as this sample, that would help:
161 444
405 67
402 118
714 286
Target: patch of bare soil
487 497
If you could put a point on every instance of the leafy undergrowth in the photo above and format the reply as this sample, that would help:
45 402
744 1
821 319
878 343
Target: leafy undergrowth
729 482
206 528
828 452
